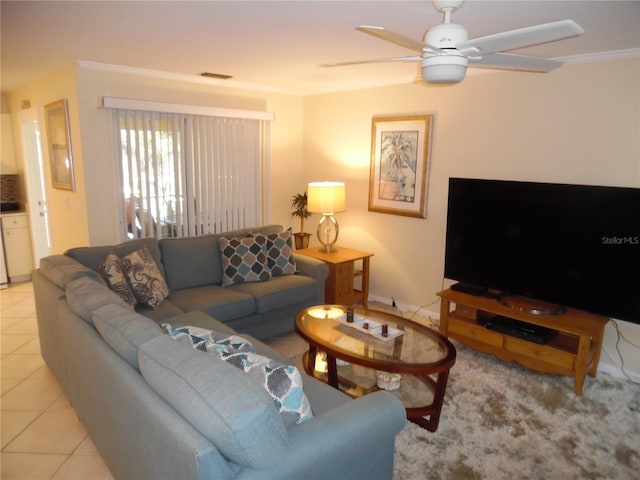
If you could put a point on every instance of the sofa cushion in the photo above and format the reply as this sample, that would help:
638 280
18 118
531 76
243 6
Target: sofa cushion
165 311
280 253
124 330
279 292
112 273
219 400
61 269
92 257
191 261
145 278
217 301
202 320
244 259
85 295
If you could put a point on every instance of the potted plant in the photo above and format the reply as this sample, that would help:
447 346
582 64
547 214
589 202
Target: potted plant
299 205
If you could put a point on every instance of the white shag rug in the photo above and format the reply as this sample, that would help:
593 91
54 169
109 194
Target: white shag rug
502 421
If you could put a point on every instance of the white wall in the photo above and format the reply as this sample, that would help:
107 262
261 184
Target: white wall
578 124
68 220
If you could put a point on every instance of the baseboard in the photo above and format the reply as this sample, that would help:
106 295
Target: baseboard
615 370
406 310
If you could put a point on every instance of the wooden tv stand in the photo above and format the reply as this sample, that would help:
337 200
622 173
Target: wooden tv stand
574 351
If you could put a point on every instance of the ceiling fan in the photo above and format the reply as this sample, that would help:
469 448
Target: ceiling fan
446 51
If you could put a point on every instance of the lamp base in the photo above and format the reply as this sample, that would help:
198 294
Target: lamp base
328 230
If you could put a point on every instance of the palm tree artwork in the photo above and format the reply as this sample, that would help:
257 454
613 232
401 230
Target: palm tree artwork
398 159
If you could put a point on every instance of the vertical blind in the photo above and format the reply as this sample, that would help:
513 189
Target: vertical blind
187 175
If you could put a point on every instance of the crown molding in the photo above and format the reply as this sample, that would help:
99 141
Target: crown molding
180 77
601 56
230 83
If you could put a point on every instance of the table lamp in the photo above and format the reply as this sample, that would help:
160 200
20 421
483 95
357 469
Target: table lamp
326 198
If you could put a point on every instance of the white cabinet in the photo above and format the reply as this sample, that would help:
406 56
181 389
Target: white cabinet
17 246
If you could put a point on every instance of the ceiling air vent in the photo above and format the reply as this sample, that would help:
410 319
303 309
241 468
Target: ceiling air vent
215 75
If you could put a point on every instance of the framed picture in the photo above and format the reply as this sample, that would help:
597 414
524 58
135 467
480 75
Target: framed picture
59 140
400 150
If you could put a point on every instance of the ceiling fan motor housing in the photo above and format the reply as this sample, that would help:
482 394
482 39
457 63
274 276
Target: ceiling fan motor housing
450 66
445 35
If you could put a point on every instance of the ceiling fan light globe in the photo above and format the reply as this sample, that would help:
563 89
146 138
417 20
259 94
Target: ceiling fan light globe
444 69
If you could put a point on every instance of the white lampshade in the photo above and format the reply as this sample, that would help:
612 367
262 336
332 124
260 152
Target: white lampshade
326 197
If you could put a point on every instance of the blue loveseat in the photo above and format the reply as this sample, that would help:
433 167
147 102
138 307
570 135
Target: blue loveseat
157 408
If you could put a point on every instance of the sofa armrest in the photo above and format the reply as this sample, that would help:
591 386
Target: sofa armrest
312 267
354 440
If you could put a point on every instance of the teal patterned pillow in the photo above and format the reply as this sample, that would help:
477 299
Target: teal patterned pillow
282 382
280 254
244 259
207 340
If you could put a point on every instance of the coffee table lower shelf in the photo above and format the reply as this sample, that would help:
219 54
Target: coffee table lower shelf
414 392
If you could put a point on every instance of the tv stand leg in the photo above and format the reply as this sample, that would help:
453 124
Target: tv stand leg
581 363
597 348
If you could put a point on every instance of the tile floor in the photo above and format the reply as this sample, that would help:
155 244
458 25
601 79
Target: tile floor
40 433
41 436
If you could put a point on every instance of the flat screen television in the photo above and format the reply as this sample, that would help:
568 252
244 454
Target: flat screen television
571 245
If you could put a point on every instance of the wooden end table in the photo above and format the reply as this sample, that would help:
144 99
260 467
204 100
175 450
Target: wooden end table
354 357
338 287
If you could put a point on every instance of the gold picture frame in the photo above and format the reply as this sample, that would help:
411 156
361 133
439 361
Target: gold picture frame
59 143
400 158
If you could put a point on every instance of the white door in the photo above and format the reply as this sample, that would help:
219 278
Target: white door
36 192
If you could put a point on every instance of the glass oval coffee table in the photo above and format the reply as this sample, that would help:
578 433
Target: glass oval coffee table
360 351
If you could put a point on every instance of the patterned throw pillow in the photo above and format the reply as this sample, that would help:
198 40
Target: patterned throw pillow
282 382
280 254
207 340
145 278
244 260
111 271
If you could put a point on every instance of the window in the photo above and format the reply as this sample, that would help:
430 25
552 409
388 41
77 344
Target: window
187 174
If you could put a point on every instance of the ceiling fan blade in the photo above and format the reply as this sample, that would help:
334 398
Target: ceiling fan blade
522 37
374 60
508 61
393 37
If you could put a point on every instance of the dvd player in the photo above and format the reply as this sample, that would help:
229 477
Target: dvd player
518 329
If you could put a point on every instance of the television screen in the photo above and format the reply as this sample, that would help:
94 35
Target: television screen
573 245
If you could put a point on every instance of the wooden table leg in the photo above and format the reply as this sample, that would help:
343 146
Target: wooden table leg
332 371
581 363
310 363
365 282
597 349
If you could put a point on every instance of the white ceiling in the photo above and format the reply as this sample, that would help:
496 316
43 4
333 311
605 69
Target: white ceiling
278 45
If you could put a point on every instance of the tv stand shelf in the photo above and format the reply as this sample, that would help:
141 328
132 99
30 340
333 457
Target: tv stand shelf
573 351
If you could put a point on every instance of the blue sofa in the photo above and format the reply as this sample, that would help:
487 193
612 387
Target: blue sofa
157 408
